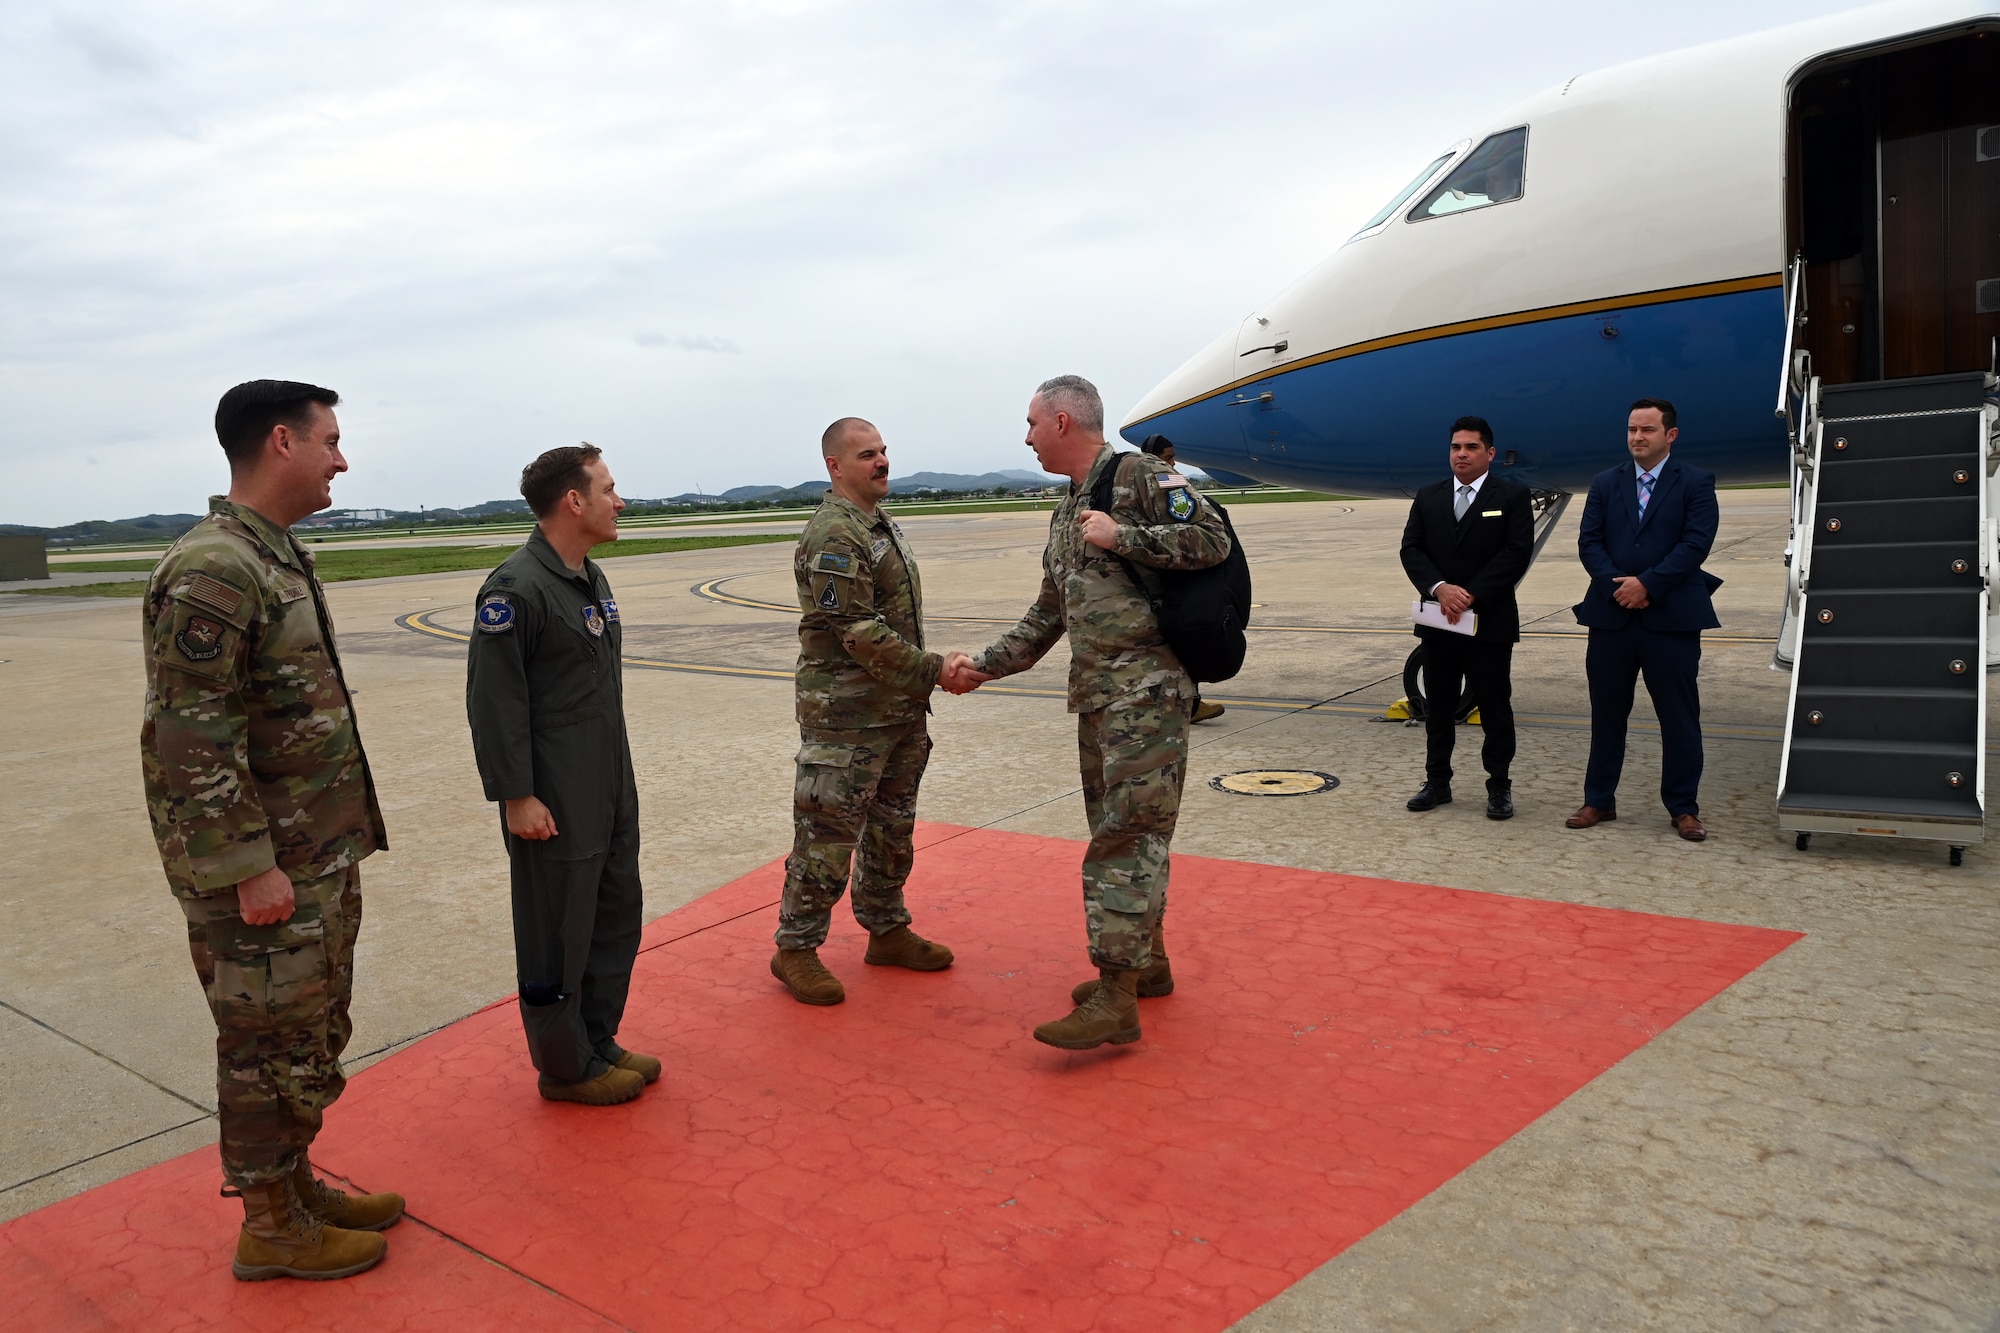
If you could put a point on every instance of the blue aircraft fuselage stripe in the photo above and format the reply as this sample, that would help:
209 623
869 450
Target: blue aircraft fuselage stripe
1556 392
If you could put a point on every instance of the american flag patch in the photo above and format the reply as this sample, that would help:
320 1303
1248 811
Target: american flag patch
213 592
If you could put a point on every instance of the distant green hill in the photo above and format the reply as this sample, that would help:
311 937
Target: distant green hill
151 527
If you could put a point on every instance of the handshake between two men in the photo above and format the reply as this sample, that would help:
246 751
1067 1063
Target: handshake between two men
960 675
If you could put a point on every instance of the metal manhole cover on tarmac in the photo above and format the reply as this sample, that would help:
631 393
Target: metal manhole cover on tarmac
1275 782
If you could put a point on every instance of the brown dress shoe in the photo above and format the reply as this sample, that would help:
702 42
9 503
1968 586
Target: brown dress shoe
613 1086
646 1067
806 977
1689 827
1589 816
903 947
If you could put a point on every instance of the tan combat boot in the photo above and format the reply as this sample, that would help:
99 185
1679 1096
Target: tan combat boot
903 947
1110 1013
647 1067
355 1212
280 1238
613 1086
1154 981
806 977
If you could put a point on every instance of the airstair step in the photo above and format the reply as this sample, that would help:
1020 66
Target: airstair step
1861 613
1922 476
1949 564
1882 768
1920 716
1841 660
1838 524
1919 393
1796 800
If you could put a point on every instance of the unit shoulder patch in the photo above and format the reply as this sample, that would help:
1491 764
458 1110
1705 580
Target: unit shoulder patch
1181 505
200 639
496 613
829 597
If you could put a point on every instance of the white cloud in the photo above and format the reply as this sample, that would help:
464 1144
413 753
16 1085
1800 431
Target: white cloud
490 226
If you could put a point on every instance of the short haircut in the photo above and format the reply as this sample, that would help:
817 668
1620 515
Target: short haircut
1478 426
1669 418
245 416
835 436
1077 396
555 474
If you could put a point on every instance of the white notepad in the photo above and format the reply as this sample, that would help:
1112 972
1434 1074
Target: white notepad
1431 616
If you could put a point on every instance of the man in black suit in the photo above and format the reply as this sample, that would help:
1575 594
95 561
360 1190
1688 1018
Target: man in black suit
1647 527
1466 545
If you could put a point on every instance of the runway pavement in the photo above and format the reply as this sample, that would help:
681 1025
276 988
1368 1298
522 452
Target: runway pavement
1810 1149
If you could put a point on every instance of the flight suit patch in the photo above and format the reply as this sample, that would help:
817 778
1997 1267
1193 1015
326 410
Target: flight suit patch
496 614
611 610
593 622
200 639
1181 505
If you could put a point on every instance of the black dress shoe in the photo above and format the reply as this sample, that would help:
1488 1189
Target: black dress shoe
1430 796
1500 804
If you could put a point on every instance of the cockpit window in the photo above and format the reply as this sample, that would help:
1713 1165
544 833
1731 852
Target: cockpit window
1403 195
1490 174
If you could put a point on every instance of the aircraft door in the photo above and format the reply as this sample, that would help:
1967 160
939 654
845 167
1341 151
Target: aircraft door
1893 201
1939 196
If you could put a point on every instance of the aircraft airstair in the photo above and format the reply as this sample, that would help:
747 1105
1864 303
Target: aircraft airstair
1893 557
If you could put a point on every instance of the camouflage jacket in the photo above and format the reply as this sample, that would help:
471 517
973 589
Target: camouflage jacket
249 748
1114 639
862 661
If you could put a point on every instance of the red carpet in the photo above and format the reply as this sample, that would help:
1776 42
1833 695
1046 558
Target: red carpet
912 1159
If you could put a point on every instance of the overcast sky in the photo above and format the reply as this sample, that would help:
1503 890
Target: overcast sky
692 233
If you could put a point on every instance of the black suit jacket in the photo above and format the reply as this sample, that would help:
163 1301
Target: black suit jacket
1664 549
1486 552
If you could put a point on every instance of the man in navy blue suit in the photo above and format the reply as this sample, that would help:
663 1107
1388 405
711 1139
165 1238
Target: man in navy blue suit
1647 527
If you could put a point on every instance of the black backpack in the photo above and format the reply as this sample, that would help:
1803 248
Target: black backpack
1202 612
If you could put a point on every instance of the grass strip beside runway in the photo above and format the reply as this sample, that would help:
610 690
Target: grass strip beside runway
337 566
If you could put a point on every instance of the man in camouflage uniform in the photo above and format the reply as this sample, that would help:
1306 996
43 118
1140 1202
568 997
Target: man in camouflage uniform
864 684
1130 694
263 808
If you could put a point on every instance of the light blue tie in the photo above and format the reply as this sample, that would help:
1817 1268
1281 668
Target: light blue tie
1645 490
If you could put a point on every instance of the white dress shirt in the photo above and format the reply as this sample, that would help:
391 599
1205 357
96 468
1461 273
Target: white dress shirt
1475 484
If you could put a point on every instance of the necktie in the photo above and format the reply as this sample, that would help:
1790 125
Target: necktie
1645 490
1464 501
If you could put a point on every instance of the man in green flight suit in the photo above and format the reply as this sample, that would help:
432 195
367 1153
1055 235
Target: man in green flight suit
263 808
545 692
864 681
1128 690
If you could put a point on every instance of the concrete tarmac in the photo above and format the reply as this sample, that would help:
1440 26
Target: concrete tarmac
1812 1149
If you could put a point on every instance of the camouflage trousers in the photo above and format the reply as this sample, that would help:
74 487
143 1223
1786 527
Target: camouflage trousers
854 789
1133 756
279 995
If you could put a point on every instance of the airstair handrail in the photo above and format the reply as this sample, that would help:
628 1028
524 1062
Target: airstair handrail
1787 379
